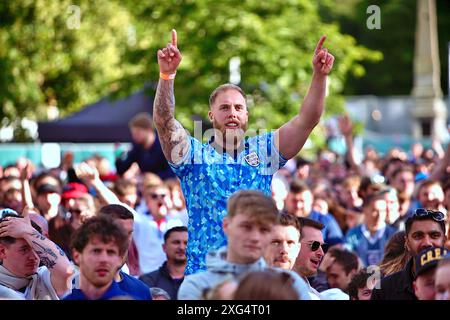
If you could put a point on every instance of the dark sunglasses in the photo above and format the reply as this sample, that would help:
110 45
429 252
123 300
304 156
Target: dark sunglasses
155 196
75 211
315 245
435 215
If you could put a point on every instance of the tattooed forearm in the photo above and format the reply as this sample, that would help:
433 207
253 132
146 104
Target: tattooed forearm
42 251
174 140
171 133
61 251
38 235
54 259
164 106
48 262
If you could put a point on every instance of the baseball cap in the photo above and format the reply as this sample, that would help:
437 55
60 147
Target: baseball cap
74 190
47 188
428 259
7 212
334 294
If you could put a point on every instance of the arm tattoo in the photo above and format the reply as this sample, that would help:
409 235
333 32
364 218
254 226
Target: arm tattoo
45 255
38 235
172 135
61 251
48 262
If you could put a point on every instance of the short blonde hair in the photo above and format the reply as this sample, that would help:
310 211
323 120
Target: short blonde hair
222 88
151 179
148 187
253 203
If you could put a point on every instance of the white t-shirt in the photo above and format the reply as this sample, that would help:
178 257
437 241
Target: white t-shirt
149 238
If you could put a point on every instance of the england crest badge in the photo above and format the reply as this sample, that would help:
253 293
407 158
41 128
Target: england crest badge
252 159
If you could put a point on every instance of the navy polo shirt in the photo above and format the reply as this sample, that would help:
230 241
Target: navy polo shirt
113 291
134 287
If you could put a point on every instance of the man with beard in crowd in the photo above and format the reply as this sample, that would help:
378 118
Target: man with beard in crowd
229 161
424 229
171 274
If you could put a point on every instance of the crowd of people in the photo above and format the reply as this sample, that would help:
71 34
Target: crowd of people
329 230
234 217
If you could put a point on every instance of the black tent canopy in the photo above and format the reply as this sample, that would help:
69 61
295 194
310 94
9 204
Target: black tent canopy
104 121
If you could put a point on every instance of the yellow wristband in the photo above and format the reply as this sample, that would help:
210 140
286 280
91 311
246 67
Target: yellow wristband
165 76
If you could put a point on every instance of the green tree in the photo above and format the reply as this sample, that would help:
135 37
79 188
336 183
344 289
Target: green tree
44 62
393 75
274 40
48 58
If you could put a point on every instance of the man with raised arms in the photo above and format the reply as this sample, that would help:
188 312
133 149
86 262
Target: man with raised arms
212 171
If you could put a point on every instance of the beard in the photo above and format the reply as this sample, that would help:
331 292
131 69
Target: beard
229 138
100 282
180 261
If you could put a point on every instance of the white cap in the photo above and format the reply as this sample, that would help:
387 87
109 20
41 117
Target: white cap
334 294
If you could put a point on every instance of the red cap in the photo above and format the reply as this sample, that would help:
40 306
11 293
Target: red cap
74 190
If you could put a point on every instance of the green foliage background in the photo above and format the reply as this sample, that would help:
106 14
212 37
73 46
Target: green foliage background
393 75
44 62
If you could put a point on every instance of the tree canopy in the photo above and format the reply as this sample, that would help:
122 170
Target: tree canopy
393 75
47 62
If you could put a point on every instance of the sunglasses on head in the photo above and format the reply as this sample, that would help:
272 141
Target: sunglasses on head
315 245
434 214
155 196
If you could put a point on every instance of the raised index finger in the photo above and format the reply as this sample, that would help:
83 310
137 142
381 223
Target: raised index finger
320 44
174 37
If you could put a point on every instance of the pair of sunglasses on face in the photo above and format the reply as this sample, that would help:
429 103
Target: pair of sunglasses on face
315 245
75 211
434 214
155 196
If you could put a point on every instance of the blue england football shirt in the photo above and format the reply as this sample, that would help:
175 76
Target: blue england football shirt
209 178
